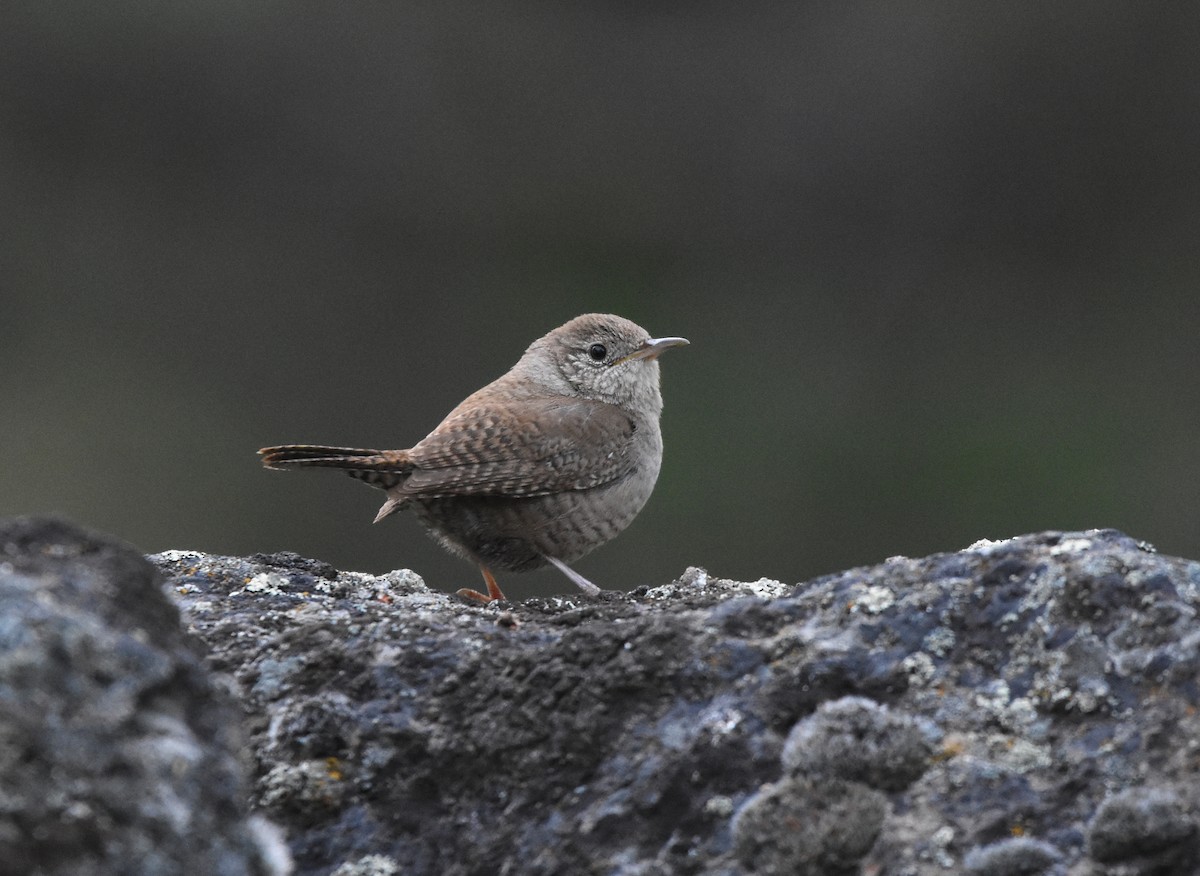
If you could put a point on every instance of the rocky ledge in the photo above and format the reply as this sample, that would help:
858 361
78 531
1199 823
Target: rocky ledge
1017 708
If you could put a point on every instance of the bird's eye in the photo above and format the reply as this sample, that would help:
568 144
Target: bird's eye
598 352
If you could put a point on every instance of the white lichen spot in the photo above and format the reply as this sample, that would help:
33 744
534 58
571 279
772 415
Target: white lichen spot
369 865
722 722
986 545
993 697
939 641
266 582
939 844
404 580
1071 546
695 579
1024 756
919 666
1085 701
174 556
719 805
767 588
1020 713
874 600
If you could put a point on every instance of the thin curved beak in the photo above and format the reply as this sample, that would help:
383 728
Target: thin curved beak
653 348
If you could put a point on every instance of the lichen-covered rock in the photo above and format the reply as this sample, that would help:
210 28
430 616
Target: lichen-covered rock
1018 708
984 703
861 740
117 754
1143 831
1017 856
808 826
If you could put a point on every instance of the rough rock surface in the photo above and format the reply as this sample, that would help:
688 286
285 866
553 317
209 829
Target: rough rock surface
1018 708
118 755
1021 707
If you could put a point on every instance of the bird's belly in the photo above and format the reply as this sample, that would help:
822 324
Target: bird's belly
517 533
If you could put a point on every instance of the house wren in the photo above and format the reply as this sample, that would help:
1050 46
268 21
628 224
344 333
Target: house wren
540 466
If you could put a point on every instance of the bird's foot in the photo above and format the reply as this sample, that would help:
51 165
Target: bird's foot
494 591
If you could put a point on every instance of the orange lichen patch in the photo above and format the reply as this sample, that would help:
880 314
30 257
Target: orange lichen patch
954 746
333 768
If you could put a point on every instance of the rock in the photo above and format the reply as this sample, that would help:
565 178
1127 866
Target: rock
1016 856
977 706
1145 831
1017 708
118 754
808 827
861 740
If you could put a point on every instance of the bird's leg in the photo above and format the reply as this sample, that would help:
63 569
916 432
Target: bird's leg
584 584
493 593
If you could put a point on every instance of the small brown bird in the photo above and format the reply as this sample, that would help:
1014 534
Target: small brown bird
540 466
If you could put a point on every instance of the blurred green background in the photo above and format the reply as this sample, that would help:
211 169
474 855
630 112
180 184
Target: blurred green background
938 262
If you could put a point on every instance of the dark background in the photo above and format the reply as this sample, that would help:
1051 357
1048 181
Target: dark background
938 262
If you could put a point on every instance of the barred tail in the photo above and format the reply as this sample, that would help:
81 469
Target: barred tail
306 455
379 468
